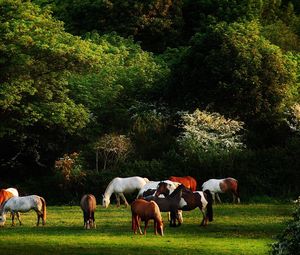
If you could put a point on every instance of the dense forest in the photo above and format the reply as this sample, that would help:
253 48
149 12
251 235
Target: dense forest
94 89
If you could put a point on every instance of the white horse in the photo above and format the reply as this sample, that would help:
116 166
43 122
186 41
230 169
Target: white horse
227 185
24 204
119 186
13 191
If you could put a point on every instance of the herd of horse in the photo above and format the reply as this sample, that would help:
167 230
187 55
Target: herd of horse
174 195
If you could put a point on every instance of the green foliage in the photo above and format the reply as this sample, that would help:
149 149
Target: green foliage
154 23
237 72
289 239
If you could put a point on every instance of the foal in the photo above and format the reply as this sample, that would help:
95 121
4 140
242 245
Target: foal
145 211
88 206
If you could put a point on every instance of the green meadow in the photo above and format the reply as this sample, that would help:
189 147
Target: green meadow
236 229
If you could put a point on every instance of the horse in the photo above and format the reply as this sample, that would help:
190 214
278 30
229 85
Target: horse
13 191
145 211
150 188
170 204
187 181
227 185
24 204
4 196
190 200
119 186
88 206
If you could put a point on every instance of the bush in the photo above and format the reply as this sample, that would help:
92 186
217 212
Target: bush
289 240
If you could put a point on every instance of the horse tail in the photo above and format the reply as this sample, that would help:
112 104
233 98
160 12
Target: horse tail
209 198
44 209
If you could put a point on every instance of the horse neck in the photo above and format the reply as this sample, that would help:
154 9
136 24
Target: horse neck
109 190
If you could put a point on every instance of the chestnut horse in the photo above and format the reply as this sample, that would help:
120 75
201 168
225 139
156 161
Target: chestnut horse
227 185
4 196
145 211
190 200
188 181
88 205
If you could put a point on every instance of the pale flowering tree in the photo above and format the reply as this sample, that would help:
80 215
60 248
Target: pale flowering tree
209 132
294 117
112 148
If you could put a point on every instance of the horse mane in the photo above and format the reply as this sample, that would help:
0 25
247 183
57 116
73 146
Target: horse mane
108 186
179 189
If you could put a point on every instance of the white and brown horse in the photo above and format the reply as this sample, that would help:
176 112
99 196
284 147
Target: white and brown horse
88 205
227 185
191 200
24 204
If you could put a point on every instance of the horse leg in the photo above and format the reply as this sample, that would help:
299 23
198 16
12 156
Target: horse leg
38 218
93 218
155 227
124 199
146 225
12 218
118 199
203 218
138 224
18 217
218 198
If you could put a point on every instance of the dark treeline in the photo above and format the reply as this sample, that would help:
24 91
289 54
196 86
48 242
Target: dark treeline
95 89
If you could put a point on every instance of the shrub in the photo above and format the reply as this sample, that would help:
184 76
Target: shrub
289 240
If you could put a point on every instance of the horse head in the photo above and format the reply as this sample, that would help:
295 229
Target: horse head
160 228
2 217
105 201
163 188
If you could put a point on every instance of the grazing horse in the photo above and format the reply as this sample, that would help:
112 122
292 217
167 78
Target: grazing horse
24 204
145 211
190 200
150 188
88 205
170 204
227 185
188 181
119 186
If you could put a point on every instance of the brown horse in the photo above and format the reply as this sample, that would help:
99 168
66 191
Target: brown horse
190 200
227 185
4 196
188 181
88 206
145 211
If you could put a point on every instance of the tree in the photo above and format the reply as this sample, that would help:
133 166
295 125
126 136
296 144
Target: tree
155 23
204 132
36 59
237 72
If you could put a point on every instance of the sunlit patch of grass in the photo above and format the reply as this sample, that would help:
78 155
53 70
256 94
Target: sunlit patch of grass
236 229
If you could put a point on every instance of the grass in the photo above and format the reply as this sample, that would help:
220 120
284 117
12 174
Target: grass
236 229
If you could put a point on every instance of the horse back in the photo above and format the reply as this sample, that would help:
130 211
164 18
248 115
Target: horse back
229 184
5 195
88 203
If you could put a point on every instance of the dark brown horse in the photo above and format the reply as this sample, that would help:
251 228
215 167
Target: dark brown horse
227 185
170 204
88 206
145 211
191 200
188 181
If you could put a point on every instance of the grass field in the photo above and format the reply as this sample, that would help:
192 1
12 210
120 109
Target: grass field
236 229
